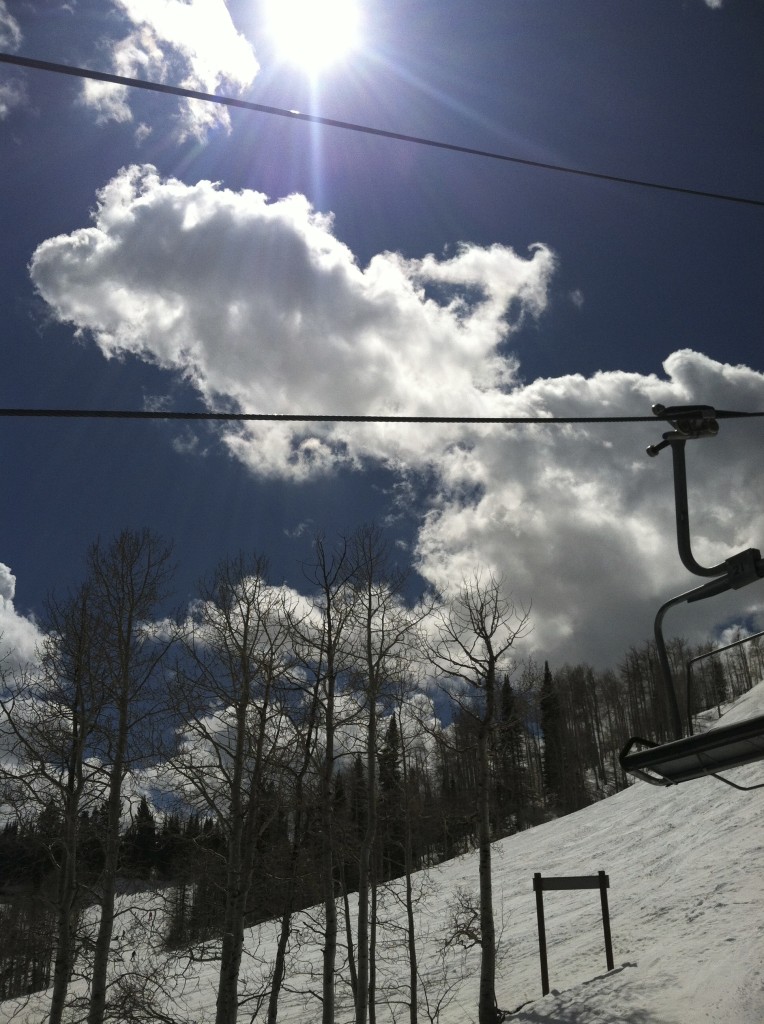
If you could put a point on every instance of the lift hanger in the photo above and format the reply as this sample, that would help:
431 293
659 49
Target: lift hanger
727 746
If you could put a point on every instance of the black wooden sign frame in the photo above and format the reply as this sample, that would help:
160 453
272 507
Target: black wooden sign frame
599 881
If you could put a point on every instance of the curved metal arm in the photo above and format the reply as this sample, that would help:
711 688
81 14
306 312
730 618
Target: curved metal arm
683 516
690 421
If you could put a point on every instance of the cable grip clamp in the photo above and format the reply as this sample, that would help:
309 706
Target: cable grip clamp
689 422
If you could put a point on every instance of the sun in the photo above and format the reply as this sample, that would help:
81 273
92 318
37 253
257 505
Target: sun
313 34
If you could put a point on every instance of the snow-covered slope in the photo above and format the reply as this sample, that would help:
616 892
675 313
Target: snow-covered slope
687 916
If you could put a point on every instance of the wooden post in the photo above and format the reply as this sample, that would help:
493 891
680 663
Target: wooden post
604 882
599 881
539 889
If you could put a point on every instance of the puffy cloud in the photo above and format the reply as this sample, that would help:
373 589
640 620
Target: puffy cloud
259 302
196 36
581 522
262 307
19 635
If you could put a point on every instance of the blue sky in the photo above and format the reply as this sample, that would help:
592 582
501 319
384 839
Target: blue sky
161 256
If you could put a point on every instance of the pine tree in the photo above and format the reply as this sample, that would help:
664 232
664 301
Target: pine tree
511 782
391 796
551 727
139 846
389 759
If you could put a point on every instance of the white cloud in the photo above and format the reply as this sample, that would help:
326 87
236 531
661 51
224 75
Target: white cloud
10 30
581 522
190 43
260 305
12 90
12 94
282 319
7 583
108 101
19 635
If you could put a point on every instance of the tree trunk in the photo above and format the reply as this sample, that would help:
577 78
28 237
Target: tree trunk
62 969
352 970
227 1006
298 838
66 916
487 994
103 938
364 869
327 853
279 966
408 867
375 874
98 987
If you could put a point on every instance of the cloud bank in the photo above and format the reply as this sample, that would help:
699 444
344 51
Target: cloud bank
262 307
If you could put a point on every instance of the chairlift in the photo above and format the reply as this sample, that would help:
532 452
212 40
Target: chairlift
727 746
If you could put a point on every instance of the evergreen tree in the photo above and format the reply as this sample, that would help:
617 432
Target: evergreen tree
139 846
169 852
90 842
551 727
391 796
511 782
389 759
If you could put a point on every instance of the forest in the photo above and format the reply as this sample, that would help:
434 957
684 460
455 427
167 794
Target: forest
265 751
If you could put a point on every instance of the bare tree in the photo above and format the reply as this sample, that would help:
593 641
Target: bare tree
126 581
80 726
230 688
51 713
304 720
322 643
405 694
473 636
386 634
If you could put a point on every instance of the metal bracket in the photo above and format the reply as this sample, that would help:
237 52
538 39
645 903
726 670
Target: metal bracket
689 422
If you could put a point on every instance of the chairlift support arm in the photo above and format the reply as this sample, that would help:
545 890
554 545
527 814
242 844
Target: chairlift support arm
726 747
690 422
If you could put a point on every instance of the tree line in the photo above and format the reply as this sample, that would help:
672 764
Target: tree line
267 751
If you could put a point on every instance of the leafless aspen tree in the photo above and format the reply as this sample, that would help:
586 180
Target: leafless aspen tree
474 633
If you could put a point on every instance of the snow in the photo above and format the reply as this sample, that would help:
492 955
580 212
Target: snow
687 917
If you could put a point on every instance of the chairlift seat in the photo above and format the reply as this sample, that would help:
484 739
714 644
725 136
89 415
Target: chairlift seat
668 764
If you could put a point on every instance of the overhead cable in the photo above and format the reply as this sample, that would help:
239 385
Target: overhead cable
278 417
296 115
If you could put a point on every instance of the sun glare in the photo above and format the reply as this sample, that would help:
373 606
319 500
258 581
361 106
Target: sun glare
313 34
